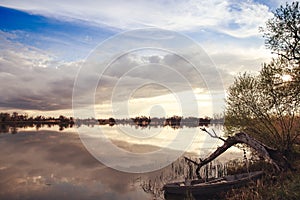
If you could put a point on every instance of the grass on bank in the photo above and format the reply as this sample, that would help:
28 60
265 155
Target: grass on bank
273 186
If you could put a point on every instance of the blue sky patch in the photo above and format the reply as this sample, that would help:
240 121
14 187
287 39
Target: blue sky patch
66 40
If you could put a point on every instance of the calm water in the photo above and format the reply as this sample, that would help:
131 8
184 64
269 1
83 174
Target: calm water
53 163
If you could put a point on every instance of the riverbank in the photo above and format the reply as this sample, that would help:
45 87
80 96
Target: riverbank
272 186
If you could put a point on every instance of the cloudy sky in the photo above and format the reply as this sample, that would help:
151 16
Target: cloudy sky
126 58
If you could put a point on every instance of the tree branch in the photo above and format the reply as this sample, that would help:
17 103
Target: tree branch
214 135
271 155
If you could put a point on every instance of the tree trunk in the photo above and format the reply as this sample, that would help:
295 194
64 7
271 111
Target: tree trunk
273 156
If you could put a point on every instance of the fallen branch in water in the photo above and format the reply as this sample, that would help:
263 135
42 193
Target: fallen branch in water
272 156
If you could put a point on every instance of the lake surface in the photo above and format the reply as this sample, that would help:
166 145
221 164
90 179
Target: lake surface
53 163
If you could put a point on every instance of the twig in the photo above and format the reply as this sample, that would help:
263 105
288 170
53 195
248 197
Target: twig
214 135
192 161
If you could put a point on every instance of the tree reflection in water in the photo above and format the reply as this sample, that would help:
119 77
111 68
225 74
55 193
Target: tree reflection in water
14 128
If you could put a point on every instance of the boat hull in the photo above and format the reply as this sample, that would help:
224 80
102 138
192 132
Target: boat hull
213 187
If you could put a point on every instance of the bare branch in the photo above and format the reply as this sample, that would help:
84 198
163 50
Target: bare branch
214 135
190 160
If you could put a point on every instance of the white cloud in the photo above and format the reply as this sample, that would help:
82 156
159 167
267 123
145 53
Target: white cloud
31 79
235 58
233 17
245 18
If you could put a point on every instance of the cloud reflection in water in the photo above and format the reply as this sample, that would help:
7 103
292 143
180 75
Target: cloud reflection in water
55 165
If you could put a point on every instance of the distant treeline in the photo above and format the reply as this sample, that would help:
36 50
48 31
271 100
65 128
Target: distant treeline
15 118
11 122
174 121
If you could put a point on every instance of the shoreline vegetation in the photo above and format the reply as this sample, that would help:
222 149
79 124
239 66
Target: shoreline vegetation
11 122
23 120
15 118
174 121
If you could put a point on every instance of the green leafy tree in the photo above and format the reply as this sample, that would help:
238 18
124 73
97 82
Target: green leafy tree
267 105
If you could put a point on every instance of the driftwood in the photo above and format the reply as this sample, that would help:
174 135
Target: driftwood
271 155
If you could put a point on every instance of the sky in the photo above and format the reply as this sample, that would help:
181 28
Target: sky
127 58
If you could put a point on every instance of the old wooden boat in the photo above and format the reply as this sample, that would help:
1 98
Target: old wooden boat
212 186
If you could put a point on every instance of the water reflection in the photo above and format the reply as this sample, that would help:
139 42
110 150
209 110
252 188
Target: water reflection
52 164
55 165
15 127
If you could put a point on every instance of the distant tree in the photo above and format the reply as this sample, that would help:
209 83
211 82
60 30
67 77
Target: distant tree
4 117
14 116
25 117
